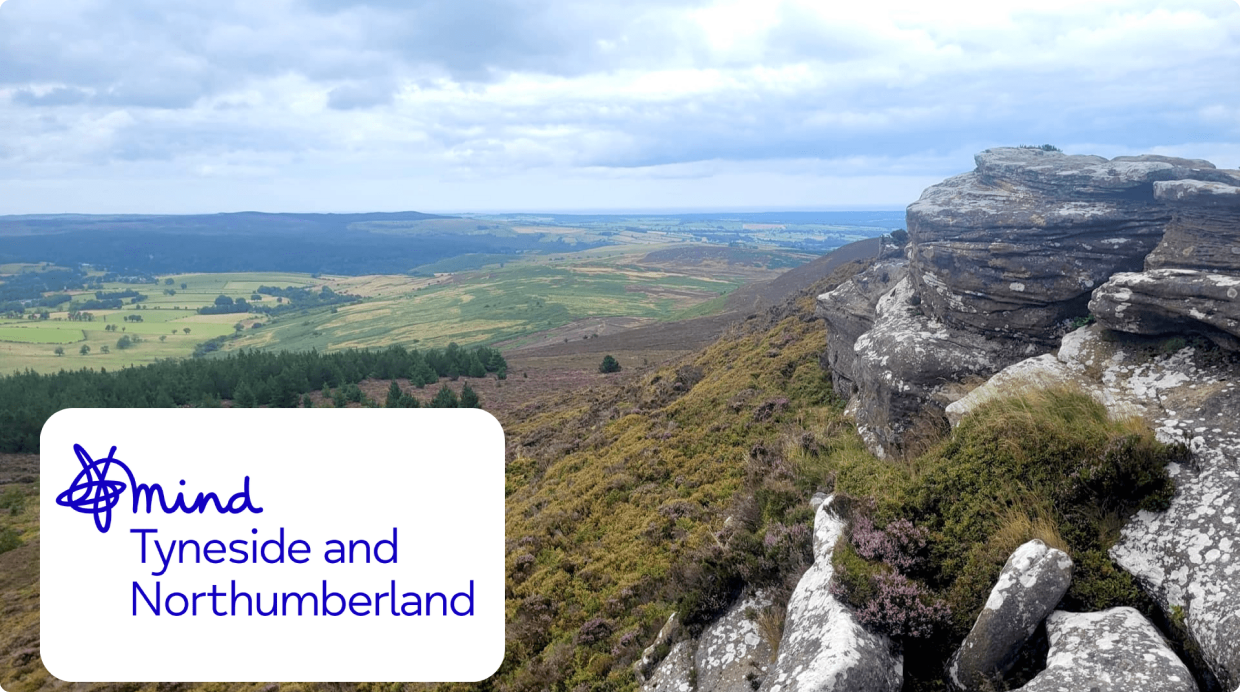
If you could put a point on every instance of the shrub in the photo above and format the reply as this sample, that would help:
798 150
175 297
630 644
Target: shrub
13 500
9 539
609 365
903 608
593 630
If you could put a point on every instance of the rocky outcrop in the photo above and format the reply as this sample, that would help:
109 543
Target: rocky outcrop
675 672
908 365
849 312
1031 584
1001 259
1017 246
1187 557
824 648
1115 650
731 654
1191 281
1171 301
1001 262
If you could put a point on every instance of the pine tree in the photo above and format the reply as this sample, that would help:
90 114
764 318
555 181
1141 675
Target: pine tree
446 398
609 364
243 396
469 398
393 395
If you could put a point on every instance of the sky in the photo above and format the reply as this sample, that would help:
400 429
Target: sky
198 106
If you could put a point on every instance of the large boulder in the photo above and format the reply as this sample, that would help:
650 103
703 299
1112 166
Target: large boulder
1172 301
1191 281
908 367
1015 247
731 653
1204 232
849 312
824 648
1115 650
1032 582
675 672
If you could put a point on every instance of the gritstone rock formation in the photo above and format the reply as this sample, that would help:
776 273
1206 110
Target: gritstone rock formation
1188 557
824 648
1001 260
1115 650
728 657
1029 587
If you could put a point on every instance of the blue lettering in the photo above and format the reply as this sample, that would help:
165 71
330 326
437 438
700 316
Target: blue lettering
300 596
360 600
327 599
168 604
430 601
392 543
469 596
416 603
153 606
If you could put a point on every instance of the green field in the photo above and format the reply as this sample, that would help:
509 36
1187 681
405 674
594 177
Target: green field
498 298
31 344
494 304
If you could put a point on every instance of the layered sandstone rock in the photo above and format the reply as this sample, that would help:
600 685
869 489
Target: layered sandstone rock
1187 557
1031 584
824 648
1115 650
1191 282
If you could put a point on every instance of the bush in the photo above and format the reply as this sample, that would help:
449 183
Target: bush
609 365
9 539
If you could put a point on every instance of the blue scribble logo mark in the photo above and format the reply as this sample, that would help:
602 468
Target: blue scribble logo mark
91 492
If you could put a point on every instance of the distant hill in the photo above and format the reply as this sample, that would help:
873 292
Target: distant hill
250 241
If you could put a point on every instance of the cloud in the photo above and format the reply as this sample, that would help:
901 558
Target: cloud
56 96
364 95
485 93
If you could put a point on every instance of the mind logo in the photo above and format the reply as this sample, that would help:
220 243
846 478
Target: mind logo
92 492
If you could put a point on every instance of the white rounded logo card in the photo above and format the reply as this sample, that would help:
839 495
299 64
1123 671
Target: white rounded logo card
223 545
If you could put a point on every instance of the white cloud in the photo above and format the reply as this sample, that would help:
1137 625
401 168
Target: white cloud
479 98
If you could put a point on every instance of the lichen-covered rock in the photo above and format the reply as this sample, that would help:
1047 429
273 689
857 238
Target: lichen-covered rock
1087 177
849 312
731 654
1187 557
824 648
908 365
644 666
1015 247
1115 650
1204 232
675 672
1172 301
1040 372
1032 582
1191 281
